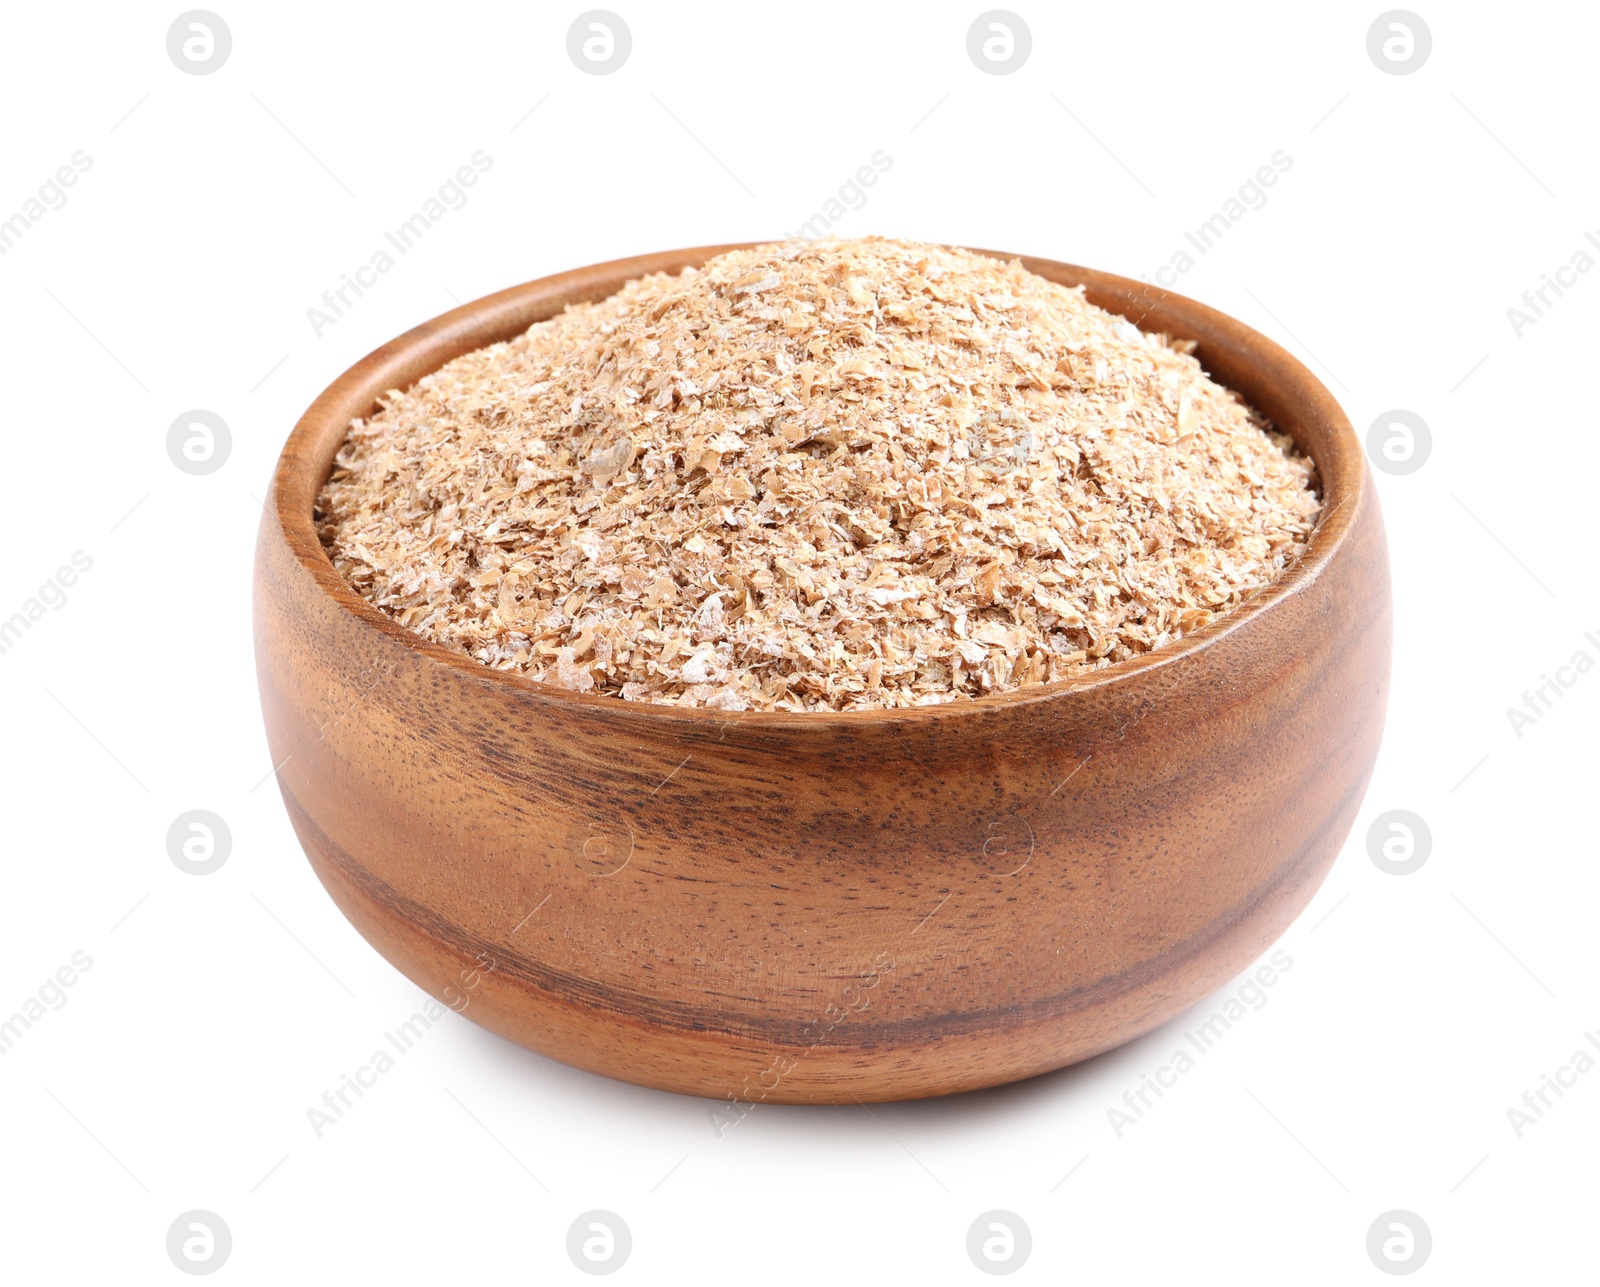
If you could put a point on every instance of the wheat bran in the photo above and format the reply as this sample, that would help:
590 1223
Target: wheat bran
842 475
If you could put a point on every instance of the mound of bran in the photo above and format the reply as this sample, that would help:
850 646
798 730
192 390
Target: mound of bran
832 476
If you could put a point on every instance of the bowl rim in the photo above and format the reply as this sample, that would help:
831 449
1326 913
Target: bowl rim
307 458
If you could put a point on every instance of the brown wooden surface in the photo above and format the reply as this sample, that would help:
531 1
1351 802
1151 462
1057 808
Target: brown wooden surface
825 907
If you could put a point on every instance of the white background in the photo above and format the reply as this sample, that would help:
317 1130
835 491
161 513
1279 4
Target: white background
219 1008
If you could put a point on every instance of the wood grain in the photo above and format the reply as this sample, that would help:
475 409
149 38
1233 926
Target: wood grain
828 906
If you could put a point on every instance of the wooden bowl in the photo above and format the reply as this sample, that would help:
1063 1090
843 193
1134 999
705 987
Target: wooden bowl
827 907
